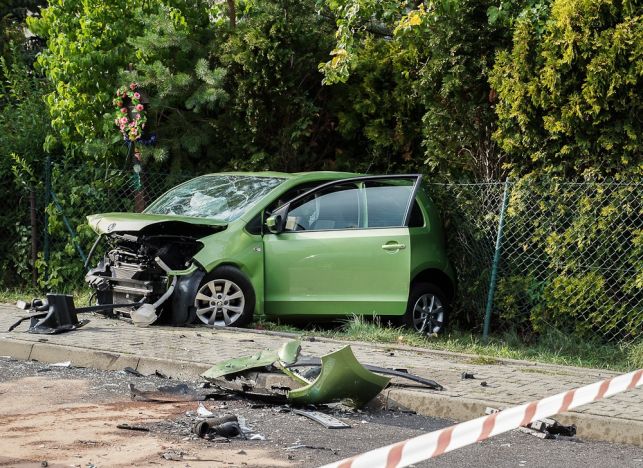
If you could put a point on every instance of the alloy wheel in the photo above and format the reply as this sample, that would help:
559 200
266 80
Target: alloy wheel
219 302
428 314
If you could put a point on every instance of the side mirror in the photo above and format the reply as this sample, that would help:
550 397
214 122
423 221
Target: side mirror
273 223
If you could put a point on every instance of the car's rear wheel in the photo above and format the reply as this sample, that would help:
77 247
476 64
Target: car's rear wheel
426 310
225 298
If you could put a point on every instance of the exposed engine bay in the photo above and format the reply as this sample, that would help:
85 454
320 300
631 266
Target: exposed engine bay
136 264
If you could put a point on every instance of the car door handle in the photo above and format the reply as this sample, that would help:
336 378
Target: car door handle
394 246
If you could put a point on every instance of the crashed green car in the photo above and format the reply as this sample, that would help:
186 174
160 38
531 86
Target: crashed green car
222 247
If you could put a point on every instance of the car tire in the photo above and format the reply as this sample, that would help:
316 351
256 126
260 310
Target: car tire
427 309
225 297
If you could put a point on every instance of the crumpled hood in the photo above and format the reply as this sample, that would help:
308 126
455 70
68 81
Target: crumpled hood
105 223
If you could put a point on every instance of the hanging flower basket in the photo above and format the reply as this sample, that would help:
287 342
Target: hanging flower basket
130 114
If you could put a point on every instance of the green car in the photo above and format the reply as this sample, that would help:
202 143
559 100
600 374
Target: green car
222 247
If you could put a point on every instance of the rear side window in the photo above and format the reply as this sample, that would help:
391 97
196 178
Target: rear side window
417 218
386 202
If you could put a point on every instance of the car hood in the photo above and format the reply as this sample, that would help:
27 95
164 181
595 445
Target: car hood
105 223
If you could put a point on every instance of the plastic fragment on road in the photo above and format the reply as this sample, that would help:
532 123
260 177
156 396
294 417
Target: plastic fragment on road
342 378
203 412
326 420
287 354
61 364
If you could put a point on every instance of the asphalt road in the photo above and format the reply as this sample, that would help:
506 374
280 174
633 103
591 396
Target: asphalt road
68 417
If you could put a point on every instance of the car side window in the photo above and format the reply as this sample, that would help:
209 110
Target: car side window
386 202
331 208
417 217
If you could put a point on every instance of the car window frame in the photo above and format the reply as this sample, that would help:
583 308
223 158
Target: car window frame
285 208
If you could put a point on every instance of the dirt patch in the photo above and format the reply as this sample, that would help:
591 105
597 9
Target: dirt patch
41 423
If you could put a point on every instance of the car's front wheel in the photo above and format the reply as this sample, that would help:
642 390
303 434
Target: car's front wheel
426 310
225 297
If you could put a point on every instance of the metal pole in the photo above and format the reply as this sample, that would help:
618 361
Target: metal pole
45 248
34 234
496 261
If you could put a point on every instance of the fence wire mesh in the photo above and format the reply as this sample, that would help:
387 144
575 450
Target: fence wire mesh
571 254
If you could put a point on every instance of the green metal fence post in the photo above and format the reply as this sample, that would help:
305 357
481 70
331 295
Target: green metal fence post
496 261
45 244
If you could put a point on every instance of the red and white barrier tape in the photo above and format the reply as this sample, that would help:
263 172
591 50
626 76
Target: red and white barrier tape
438 442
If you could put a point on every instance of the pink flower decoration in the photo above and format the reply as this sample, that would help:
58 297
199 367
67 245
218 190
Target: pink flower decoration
139 107
123 110
132 86
137 96
122 126
124 120
138 116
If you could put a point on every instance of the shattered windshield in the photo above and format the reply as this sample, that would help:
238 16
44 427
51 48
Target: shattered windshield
222 197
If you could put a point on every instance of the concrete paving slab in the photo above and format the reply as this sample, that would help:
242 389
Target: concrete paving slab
186 352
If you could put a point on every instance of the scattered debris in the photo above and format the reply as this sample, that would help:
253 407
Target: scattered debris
301 446
483 383
166 394
61 364
173 455
546 428
132 427
334 377
467 375
227 426
160 374
401 373
203 411
329 422
130 370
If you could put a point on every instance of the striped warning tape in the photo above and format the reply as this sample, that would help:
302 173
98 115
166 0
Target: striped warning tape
445 440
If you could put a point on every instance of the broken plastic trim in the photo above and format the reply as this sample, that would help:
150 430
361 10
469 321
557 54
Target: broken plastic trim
287 354
342 377
313 361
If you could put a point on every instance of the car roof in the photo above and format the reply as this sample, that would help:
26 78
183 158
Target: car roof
290 175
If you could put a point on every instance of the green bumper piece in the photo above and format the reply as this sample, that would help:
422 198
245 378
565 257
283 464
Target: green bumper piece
287 354
342 377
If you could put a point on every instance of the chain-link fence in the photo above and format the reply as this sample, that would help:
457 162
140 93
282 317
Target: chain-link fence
566 255
530 255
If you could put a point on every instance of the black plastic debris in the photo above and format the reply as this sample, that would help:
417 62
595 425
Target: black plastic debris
132 371
56 314
225 426
132 427
546 428
166 394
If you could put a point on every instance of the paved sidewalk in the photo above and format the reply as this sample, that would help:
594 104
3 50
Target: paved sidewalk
186 352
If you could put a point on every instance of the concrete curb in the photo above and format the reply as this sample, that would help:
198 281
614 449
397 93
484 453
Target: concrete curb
425 402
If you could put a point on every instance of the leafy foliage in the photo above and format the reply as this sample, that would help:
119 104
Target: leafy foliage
430 62
23 128
569 91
